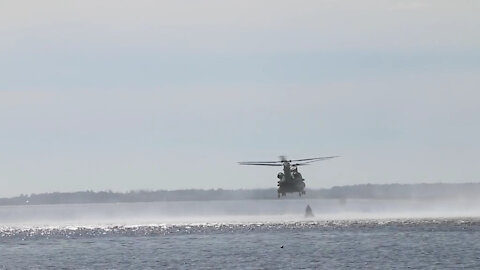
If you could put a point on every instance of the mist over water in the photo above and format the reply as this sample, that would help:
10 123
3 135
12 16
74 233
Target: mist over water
230 212
242 234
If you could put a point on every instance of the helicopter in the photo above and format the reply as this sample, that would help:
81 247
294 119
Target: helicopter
290 180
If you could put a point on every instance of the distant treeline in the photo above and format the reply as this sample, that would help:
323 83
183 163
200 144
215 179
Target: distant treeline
366 191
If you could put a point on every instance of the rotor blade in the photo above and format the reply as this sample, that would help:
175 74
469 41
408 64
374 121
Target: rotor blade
259 164
280 162
301 164
263 162
314 159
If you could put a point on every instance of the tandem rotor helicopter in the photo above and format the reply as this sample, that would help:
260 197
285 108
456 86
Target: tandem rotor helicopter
290 180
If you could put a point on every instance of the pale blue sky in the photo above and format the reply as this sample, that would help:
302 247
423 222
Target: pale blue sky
128 95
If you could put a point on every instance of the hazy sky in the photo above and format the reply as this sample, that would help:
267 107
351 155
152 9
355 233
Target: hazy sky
125 95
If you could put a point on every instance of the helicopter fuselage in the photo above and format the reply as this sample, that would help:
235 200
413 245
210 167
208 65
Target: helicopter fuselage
290 181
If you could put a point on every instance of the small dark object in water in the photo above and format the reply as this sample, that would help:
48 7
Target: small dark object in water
308 211
281 247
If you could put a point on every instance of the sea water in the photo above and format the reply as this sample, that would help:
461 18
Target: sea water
265 234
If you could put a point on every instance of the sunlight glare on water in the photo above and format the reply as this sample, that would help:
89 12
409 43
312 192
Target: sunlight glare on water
239 235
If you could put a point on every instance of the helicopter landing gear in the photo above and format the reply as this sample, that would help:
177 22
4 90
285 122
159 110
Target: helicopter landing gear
278 195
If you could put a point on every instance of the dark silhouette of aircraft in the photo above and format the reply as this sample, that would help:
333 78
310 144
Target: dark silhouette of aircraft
290 180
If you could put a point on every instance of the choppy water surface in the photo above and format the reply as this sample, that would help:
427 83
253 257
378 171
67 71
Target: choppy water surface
241 235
